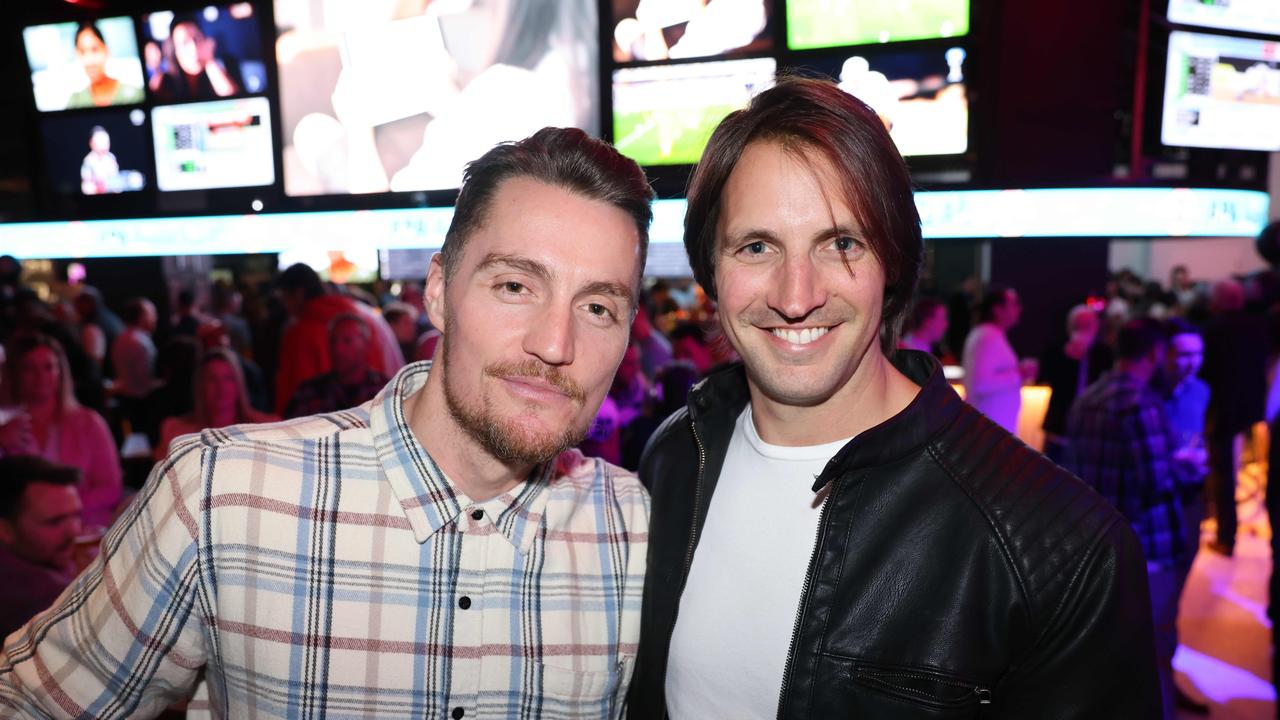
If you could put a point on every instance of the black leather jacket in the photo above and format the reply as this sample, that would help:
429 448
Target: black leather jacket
956 574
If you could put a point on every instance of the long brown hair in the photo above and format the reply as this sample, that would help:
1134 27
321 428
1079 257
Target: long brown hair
18 350
814 115
200 412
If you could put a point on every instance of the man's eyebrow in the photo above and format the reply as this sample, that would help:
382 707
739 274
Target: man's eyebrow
611 288
515 262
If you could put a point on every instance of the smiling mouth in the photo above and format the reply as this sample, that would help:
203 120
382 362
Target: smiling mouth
800 336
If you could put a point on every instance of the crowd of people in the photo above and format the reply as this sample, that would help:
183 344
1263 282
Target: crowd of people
807 399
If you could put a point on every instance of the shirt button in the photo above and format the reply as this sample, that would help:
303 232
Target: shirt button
464 602
458 713
477 514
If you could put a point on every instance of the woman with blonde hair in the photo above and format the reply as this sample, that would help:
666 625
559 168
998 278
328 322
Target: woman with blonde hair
44 419
220 400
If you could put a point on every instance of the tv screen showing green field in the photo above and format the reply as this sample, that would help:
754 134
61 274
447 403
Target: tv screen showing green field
833 23
664 114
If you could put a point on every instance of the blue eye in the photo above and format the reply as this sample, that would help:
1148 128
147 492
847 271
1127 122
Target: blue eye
845 243
755 248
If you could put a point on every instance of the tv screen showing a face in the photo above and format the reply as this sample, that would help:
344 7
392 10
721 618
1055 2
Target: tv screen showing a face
1255 16
920 95
98 153
397 98
84 65
1221 92
219 144
204 54
647 30
813 24
664 114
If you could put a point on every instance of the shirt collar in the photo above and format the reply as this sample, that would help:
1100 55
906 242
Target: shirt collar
429 499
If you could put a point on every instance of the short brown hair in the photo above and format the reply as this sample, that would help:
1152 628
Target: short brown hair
564 157
809 114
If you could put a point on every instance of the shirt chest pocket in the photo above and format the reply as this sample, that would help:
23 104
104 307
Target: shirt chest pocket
589 694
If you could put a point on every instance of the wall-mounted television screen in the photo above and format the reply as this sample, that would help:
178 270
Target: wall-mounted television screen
204 54
84 65
813 24
648 30
1221 92
919 94
664 114
386 97
96 153
1254 16
219 144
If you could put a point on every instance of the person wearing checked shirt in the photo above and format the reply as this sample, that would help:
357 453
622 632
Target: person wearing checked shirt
437 552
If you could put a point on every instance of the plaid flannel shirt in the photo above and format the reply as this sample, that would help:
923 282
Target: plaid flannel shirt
327 567
1122 445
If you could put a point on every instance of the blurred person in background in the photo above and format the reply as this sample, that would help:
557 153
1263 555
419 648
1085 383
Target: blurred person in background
926 326
689 343
655 348
671 389
1121 443
219 400
350 380
34 317
1068 369
403 319
176 367
304 346
39 521
1235 368
51 424
993 377
133 357
93 339
227 308
630 390
213 334
186 317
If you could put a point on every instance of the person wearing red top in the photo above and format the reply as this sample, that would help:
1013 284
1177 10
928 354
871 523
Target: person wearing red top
304 348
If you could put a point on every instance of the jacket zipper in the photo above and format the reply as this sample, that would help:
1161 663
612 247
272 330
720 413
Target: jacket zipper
983 694
693 534
789 668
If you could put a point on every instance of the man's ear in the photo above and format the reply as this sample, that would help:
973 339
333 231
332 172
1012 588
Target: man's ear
433 295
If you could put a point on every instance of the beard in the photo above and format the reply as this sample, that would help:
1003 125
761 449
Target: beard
505 438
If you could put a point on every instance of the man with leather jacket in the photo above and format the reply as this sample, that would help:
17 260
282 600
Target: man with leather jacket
834 532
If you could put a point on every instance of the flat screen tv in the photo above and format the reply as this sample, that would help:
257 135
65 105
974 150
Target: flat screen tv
664 114
813 24
1252 16
651 30
377 98
1221 92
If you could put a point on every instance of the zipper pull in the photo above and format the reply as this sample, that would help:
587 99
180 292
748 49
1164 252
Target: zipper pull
984 695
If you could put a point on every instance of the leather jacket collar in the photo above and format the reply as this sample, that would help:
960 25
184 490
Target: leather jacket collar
722 396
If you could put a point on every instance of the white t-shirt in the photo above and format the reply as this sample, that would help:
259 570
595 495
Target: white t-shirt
738 610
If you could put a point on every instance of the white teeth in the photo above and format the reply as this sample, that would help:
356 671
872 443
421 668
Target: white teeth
800 337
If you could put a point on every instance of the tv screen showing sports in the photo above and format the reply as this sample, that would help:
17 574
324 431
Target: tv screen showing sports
647 30
97 153
219 144
1255 16
204 54
385 97
919 94
664 114
84 65
1221 92
813 24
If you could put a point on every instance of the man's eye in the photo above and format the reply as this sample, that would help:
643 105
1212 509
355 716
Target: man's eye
599 310
844 243
513 287
754 248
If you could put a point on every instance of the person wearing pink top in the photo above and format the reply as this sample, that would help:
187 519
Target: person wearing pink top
45 420
220 400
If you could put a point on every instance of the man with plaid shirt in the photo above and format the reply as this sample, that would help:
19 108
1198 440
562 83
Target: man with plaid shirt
437 552
1120 442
